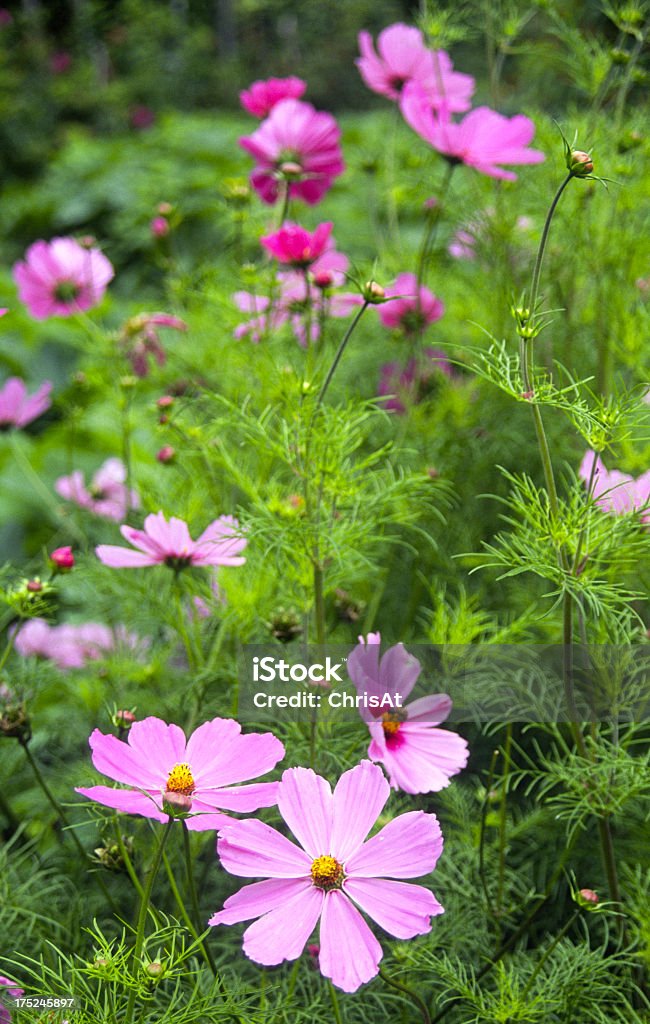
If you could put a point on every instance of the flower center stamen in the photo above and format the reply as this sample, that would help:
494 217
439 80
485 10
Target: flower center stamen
181 780
327 873
391 721
66 291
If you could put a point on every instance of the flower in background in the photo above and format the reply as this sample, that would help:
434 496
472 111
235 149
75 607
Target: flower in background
296 144
614 491
6 984
60 62
159 227
482 140
413 307
412 383
71 645
17 408
141 117
261 97
169 543
160 767
290 305
418 757
140 339
296 246
463 245
107 495
403 57
61 277
62 559
333 871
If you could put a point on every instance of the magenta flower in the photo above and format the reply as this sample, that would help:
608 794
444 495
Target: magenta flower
107 495
159 765
614 491
261 97
70 645
5 983
17 408
483 139
403 57
299 144
418 757
296 246
61 277
409 384
141 339
169 543
333 871
413 308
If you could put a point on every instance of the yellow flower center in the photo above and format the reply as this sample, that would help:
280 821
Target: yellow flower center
181 780
327 873
391 723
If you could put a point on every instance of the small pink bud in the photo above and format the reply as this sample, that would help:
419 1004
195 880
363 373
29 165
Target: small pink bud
34 586
159 227
589 896
165 401
123 719
324 279
62 559
166 454
527 395
164 209
155 969
373 292
176 805
580 163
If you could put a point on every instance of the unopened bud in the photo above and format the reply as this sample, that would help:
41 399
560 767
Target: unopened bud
155 969
34 586
176 805
165 401
324 279
373 292
580 163
166 454
123 719
62 559
291 169
587 898
159 227
164 209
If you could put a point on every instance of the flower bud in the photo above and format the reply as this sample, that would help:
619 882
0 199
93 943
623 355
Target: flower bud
62 559
166 454
155 970
373 293
164 209
34 586
15 722
165 401
291 169
123 719
159 227
323 279
587 898
580 163
176 805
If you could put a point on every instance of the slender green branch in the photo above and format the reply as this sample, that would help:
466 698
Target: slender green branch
195 900
407 991
337 357
335 1004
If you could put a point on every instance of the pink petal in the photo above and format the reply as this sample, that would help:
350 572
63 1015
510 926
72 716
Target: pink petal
349 952
123 763
126 800
400 908
162 745
282 933
122 558
243 799
220 755
406 847
258 898
251 848
358 800
421 758
433 709
305 803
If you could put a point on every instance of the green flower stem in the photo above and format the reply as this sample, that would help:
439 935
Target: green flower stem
8 649
434 217
284 197
68 830
481 846
558 938
124 853
180 903
335 1004
194 900
337 358
407 991
503 823
534 288
142 916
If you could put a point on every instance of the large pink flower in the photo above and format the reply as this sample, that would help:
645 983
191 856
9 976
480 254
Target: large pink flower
418 757
333 871
10 986
614 491
169 543
413 306
403 57
106 496
261 97
61 277
71 645
299 144
294 245
17 408
483 139
205 770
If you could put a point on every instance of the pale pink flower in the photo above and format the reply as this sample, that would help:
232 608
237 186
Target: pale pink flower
418 757
333 871
290 304
206 768
70 645
463 245
483 139
61 277
413 307
294 245
299 144
107 495
411 383
140 339
614 491
17 408
404 57
5 983
169 543
261 97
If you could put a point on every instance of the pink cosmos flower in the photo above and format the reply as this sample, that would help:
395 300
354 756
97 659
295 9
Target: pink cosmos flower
5 983
70 645
418 757
404 57
61 277
333 871
614 491
413 308
296 246
141 339
107 495
158 764
483 139
411 383
298 143
261 97
169 543
17 408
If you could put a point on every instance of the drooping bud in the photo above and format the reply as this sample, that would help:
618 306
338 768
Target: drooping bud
62 559
580 163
